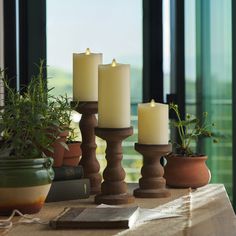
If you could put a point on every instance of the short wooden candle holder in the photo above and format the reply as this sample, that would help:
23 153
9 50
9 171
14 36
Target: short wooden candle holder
89 161
114 188
152 184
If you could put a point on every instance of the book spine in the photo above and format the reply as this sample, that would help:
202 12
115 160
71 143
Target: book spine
69 190
68 172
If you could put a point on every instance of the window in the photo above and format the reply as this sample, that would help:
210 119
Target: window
208 74
190 56
113 28
1 53
166 46
208 63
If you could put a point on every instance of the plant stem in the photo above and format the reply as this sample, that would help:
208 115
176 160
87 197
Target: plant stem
180 129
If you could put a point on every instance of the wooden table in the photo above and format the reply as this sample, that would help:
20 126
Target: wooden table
212 214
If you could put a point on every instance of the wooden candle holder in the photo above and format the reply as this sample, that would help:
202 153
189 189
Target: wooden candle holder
114 189
89 161
152 184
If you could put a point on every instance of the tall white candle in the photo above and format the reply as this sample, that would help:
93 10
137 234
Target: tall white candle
153 120
114 95
85 75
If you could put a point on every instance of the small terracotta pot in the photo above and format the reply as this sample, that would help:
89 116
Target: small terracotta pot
58 149
185 172
72 157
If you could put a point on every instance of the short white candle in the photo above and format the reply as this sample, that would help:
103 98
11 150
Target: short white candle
85 75
153 119
114 95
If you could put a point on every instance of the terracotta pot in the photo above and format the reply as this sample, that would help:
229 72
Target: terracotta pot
185 172
58 149
24 184
72 157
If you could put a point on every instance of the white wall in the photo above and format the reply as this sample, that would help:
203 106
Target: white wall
1 52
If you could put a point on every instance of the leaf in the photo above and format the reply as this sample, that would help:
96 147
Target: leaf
50 149
175 123
64 145
40 117
188 122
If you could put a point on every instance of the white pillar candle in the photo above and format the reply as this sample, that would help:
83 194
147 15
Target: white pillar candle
114 95
85 75
153 119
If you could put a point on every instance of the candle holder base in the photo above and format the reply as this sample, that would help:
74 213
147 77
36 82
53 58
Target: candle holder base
89 161
152 184
151 193
114 189
117 199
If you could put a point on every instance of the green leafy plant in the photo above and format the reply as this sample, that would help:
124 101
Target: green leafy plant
32 119
190 129
24 120
72 136
60 111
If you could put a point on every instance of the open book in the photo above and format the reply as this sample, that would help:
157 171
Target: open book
99 218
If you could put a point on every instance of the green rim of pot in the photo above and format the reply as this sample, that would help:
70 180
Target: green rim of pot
26 172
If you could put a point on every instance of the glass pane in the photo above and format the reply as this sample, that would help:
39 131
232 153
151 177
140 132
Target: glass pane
166 46
113 28
209 79
218 97
190 57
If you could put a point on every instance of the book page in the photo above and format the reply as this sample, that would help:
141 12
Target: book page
105 214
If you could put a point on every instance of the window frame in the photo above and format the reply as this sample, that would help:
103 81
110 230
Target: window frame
177 39
31 39
233 12
1 53
9 21
153 84
1 35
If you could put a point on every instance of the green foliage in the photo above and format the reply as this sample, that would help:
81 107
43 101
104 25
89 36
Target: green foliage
24 120
29 116
190 129
61 110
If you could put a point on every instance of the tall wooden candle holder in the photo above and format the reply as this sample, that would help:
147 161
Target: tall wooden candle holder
152 184
114 189
89 161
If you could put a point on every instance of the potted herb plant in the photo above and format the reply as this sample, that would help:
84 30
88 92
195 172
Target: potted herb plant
59 112
185 168
25 171
66 149
72 155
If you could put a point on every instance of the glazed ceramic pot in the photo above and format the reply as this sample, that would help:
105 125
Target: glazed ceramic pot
185 172
73 155
24 184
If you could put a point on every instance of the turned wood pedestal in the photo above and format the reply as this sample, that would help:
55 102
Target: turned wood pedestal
114 188
152 184
89 161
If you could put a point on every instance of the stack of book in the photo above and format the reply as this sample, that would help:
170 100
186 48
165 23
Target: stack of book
96 218
68 184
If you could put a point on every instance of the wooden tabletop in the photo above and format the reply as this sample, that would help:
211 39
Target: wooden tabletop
211 214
